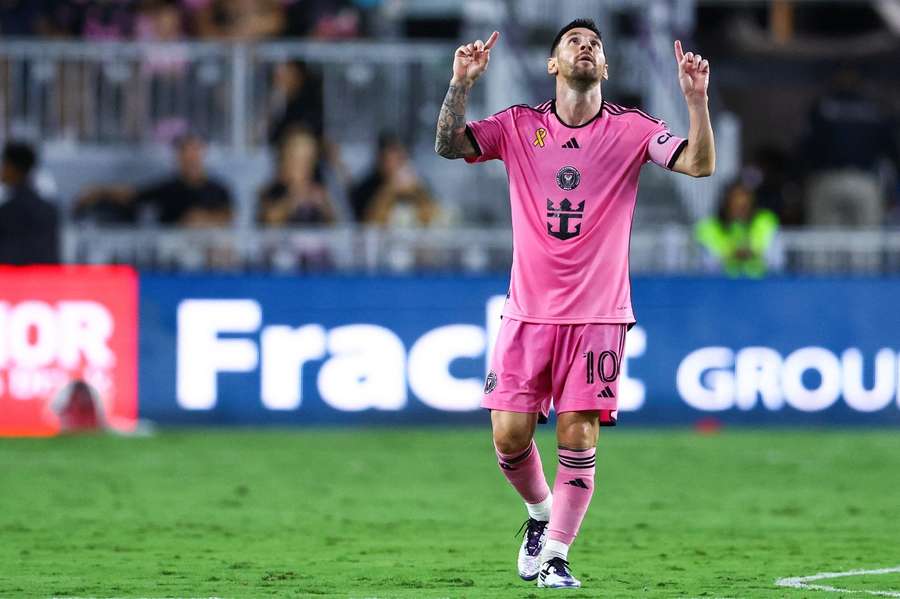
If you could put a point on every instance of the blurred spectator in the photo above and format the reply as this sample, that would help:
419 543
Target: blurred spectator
239 20
893 216
106 205
848 138
739 238
190 198
158 21
295 197
392 193
791 28
19 18
29 225
164 70
323 19
296 101
774 183
106 20
97 20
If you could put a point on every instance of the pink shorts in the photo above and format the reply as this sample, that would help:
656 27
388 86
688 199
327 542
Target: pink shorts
574 367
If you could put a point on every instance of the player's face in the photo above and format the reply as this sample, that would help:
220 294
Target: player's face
579 57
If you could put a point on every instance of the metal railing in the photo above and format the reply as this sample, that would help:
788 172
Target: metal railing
79 95
138 93
118 93
665 250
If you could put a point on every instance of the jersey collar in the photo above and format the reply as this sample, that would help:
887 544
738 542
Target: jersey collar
565 124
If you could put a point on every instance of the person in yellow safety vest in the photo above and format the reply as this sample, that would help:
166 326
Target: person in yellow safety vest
740 235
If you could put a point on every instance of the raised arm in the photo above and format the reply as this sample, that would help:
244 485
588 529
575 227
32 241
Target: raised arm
699 156
469 62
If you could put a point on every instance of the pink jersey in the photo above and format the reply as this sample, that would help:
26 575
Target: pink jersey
572 191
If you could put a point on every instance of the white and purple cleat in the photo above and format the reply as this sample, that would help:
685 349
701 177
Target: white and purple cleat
529 561
555 574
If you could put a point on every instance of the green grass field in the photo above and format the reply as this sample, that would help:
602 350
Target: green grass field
425 513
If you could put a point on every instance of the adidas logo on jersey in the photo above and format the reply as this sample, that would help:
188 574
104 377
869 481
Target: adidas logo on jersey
607 392
572 144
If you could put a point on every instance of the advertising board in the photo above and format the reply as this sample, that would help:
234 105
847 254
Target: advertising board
63 329
361 350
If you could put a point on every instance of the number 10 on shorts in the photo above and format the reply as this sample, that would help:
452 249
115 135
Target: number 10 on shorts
605 366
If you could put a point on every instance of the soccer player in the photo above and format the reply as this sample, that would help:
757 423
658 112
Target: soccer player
573 164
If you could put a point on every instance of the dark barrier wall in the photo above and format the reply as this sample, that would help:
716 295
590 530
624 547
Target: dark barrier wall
265 350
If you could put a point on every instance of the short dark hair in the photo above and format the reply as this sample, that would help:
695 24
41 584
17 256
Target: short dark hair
585 23
20 156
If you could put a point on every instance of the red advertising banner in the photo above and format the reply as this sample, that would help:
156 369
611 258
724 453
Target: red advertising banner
68 348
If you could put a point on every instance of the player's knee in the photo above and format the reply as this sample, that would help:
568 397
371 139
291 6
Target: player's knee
577 435
509 440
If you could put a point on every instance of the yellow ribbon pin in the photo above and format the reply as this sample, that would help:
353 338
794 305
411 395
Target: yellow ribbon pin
539 136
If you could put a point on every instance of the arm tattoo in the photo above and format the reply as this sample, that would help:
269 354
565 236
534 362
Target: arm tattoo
451 140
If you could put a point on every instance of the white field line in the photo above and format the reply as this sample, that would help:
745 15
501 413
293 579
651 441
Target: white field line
801 582
796 582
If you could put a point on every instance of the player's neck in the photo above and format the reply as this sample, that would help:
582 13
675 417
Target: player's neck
576 106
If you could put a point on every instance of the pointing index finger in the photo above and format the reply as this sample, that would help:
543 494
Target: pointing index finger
492 40
679 52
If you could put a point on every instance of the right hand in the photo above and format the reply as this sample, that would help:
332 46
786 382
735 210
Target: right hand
470 60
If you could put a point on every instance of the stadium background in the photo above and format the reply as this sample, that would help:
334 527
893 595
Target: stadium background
238 245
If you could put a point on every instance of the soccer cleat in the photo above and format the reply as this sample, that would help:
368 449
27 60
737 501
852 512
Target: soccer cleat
555 574
529 561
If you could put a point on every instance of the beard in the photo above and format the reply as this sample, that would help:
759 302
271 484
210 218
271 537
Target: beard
582 75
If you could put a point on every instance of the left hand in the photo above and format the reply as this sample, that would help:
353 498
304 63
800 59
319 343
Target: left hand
693 74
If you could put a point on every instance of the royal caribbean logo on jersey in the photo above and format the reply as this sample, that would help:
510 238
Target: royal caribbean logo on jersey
568 178
564 214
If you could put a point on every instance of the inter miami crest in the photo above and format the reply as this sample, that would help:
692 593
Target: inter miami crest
490 383
568 178
564 214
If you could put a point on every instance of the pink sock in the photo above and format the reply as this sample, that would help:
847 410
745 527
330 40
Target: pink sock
572 493
524 471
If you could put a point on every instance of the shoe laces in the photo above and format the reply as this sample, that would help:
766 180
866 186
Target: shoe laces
534 530
560 565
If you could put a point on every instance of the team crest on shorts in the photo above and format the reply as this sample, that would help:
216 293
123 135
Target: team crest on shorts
568 178
490 383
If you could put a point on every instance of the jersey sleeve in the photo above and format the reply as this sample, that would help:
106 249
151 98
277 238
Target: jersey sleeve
487 137
663 148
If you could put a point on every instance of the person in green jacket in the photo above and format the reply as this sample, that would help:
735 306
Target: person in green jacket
740 235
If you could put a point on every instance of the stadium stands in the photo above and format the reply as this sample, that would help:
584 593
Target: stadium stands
105 95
